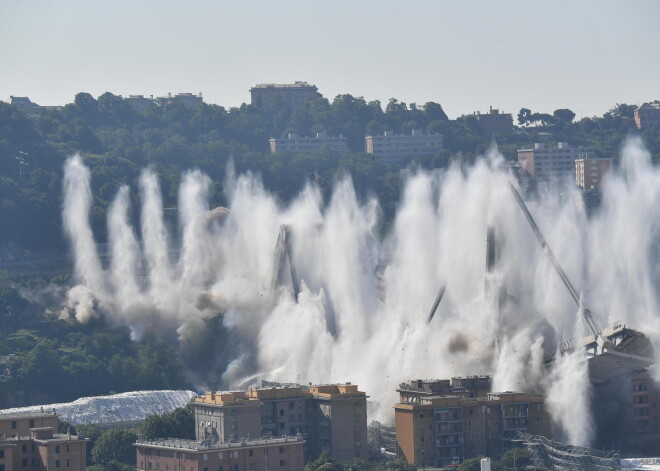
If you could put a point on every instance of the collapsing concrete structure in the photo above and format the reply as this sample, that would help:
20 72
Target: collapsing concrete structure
284 258
612 353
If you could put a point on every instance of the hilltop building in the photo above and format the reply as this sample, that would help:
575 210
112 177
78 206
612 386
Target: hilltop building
188 100
332 418
24 104
590 172
494 122
392 148
28 441
648 115
292 95
139 103
545 163
446 428
297 145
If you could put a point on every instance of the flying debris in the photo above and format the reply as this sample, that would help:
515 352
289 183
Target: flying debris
436 303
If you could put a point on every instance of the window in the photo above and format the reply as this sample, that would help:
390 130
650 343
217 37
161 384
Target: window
221 468
2 454
253 467
205 458
13 425
31 423
57 450
2 467
282 462
281 412
220 457
281 450
234 454
291 405
24 448
67 448
251 452
24 462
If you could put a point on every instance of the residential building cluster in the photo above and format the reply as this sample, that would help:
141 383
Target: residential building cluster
267 428
29 442
437 423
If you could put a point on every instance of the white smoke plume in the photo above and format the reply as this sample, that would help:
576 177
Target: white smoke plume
362 311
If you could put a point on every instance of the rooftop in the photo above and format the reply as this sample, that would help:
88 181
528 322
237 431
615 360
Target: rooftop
199 446
284 85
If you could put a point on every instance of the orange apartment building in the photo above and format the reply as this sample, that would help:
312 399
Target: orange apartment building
332 418
441 430
28 443
272 454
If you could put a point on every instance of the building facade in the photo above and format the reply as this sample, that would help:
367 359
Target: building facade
296 144
648 115
28 443
590 172
442 430
392 148
291 95
273 454
331 418
645 399
494 122
546 163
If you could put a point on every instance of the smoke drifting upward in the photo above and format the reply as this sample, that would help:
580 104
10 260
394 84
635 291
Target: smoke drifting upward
364 297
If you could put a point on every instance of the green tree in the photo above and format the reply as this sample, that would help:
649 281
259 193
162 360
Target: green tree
471 464
524 116
564 115
115 445
180 423
518 458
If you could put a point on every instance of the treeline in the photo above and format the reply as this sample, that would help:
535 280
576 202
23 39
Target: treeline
117 141
60 361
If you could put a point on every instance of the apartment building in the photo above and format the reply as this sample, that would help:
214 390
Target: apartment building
392 148
441 430
271 454
297 145
332 418
648 115
546 163
28 443
494 122
590 172
291 95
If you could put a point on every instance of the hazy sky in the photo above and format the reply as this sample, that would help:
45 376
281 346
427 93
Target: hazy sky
466 55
